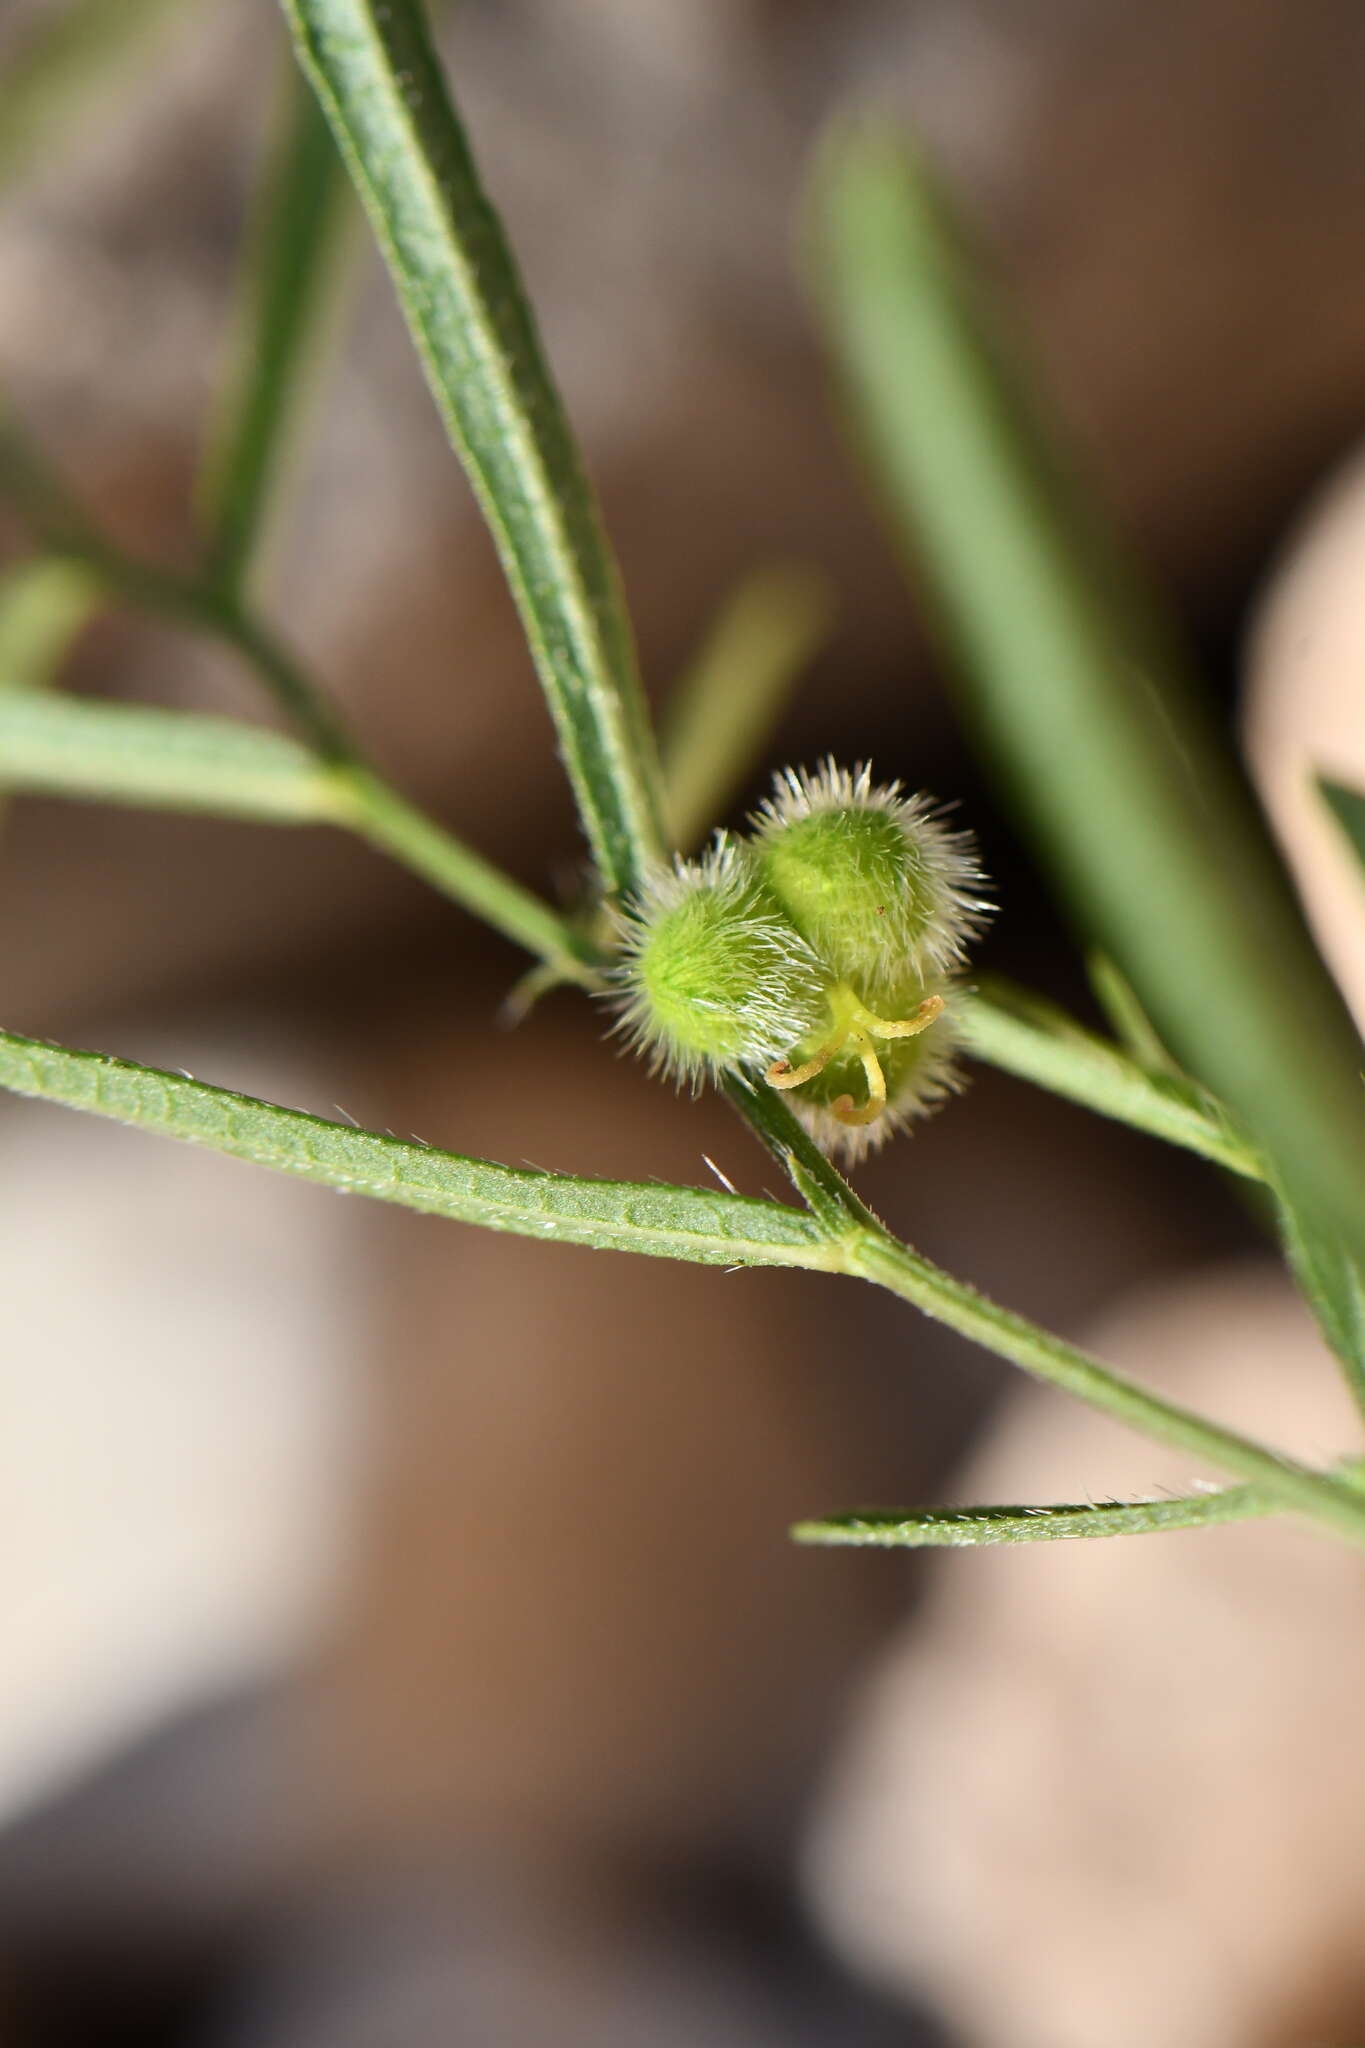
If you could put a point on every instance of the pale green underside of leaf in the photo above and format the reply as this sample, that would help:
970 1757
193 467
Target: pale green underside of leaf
968 1528
177 760
665 1222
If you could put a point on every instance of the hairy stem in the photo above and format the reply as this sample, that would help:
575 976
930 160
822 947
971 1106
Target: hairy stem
883 1259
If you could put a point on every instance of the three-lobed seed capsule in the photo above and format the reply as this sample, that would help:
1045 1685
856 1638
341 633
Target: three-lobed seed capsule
821 949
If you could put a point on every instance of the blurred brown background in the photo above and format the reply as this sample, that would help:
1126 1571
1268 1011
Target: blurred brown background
404 1643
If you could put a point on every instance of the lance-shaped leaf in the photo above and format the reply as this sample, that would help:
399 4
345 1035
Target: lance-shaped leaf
383 90
1130 795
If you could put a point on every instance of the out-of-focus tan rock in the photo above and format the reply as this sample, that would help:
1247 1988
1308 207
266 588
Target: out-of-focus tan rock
1305 715
1104 1794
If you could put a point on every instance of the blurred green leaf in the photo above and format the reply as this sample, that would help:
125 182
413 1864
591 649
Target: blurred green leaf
1131 796
722 713
68 53
293 251
173 760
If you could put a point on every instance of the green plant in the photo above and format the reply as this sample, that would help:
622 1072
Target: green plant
1131 797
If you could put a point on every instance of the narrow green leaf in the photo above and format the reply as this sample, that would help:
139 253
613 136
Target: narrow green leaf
44 606
1023 1034
665 1222
1134 803
1128 1020
185 761
65 57
291 256
175 760
1348 808
381 85
963 1528
1332 1499
723 711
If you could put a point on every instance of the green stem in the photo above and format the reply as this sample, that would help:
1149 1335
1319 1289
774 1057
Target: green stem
884 1260
869 1251
376 811
68 534
388 821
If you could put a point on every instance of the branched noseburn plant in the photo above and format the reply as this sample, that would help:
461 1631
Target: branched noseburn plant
812 966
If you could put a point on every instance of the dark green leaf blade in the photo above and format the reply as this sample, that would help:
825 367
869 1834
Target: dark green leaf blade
382 87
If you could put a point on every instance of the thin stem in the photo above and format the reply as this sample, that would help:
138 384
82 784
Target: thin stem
388 821
883 1259
67 533
370 806
841 1213
870 1251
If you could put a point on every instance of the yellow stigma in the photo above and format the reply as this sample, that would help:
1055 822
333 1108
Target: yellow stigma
855 1024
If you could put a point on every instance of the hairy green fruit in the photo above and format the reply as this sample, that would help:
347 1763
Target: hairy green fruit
714 976
871 878
820 951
